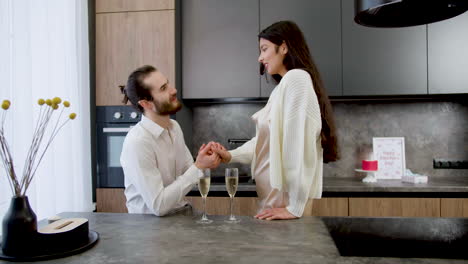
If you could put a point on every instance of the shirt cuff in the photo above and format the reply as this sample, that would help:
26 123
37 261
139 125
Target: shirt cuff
234 156
297 209
193 173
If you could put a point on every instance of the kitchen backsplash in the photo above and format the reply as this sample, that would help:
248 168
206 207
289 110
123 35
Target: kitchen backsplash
431 130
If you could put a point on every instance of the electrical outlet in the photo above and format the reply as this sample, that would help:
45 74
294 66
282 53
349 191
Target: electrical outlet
449 164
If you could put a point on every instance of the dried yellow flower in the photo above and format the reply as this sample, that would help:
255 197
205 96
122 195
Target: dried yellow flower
41 101
56 100
48 102
54 106
72 116
66 103
5 105
7 101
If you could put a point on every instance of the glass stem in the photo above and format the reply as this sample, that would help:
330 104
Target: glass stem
204 207
232 202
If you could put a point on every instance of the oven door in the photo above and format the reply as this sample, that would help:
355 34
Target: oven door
109 147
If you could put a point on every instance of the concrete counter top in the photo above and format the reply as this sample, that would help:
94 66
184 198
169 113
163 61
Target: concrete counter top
132 238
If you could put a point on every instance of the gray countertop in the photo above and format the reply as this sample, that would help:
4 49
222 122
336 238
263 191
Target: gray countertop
434 184
132 238
353 184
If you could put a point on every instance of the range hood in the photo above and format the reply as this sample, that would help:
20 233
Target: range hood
405 13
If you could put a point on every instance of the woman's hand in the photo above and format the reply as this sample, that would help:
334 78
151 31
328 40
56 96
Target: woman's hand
222 152
206 158
275 214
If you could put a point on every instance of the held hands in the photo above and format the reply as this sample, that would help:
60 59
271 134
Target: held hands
222 152
211 154
206 158
275 214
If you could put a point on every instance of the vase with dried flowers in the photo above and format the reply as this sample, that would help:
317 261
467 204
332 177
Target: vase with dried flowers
19 226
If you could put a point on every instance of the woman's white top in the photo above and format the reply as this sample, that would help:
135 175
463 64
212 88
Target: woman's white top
294 150
268 197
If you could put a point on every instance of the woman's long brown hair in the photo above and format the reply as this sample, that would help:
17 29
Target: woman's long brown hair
298 57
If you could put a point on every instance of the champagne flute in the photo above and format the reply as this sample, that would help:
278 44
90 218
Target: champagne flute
232 180
204 188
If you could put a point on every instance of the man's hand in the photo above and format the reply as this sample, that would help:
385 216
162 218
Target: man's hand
222 152
275 214
206 159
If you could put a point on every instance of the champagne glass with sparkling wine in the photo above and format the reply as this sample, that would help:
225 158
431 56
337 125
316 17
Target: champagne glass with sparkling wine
204 188
232 180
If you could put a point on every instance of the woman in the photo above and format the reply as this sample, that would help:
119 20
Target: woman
295 131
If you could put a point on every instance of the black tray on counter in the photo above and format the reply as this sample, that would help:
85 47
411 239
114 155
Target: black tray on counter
93 237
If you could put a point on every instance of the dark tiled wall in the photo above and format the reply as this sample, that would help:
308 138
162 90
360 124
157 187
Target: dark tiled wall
431 130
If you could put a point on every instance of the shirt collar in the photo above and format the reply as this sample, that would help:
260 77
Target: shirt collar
152 127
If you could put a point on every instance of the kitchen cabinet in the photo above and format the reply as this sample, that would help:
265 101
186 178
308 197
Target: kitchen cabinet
219 49
394 207
103 6
248 206
111 200
448 55
221 206
454 207
329 206
382 61
128 40
320 21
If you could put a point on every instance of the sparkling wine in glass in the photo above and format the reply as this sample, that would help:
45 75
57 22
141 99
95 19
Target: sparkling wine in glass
204 188
232 181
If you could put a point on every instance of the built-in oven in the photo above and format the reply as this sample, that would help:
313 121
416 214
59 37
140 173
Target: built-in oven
113 124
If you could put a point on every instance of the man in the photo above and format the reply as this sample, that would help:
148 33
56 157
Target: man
158 167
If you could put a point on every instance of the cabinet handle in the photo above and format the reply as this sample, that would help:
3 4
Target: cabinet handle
233 141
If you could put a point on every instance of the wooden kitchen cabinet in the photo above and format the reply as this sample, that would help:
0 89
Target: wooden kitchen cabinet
448 55
103 6
454 207
108 6
330 206
220 205
110 200
128 40
219 49
248 206
320 21
382 61
398 207
113 200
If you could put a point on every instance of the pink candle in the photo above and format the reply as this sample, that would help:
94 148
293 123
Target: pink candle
370 165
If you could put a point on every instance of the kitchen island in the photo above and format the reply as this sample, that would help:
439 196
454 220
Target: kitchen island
133 238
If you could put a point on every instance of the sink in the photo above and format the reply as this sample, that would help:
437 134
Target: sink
400 237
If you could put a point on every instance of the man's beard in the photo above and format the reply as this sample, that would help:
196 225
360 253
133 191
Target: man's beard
167 108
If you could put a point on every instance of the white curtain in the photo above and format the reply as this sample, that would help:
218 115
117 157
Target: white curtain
44 53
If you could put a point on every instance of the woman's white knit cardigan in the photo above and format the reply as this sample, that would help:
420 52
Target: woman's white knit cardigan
296 154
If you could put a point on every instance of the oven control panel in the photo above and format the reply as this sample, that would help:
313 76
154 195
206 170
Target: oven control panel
117 114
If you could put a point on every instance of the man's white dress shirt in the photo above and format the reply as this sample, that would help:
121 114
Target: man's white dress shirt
158 168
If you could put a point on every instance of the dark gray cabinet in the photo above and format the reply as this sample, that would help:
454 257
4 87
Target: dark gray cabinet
448 55
320 22
219 48
382 61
